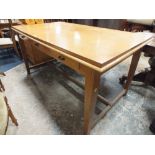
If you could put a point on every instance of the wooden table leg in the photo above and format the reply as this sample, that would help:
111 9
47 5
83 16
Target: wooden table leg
14 43
92 81
133 66
22 42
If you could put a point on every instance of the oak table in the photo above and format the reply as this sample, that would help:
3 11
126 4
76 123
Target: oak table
88 50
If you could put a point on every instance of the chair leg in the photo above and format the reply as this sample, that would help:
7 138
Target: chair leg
11 115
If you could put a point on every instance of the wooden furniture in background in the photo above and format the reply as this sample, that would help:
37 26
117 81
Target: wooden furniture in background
28 21
10 41
5 110
5 24
39 21
6 42
90 51
137 25
1 35
48 20
3 115
32 21
147 76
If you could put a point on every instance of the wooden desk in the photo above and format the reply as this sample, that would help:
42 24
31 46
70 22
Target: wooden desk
91 51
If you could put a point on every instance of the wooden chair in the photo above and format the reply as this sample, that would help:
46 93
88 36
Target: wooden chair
39 21
29 21
11 41
6 42
3 115
32 21
137 25
147 76
5 110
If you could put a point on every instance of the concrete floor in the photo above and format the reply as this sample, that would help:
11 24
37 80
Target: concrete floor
47 103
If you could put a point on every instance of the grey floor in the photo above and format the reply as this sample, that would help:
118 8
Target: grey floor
47 103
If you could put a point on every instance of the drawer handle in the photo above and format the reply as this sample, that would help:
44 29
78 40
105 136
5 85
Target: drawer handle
22 37
61 58
36 44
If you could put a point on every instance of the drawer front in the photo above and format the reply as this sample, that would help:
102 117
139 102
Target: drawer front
60 57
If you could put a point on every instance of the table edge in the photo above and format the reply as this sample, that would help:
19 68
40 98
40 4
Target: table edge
99 68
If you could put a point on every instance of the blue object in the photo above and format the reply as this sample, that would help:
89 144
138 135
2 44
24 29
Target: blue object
8 59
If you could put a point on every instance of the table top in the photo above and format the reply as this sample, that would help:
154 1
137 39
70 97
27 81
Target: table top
97 46
152 43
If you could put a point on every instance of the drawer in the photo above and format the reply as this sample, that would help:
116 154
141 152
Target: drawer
33 54
60 57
